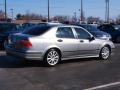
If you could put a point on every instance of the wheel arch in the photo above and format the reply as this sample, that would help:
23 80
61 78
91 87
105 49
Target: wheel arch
53 47
107 45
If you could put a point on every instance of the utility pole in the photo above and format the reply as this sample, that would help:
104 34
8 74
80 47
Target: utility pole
5 10
48 10
75 16
12 14
107 11
81 10
108 18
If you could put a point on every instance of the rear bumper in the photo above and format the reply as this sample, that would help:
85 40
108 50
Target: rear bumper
24 55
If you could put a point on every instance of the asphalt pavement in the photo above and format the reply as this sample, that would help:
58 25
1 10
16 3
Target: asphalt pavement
80 74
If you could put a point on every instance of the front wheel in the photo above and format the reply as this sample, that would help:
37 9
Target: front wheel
52 57
105 53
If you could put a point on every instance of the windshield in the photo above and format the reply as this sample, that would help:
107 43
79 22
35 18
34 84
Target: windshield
116 27
90 28
36 30
98 34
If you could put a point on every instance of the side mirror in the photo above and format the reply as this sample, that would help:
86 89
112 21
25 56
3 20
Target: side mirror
91 38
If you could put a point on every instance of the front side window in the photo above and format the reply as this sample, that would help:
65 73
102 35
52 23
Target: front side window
65 32
82 34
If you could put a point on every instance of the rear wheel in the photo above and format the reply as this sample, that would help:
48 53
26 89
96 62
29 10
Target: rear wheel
52 57
105 53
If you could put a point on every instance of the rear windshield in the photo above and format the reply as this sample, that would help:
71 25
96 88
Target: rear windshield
36 30
8 26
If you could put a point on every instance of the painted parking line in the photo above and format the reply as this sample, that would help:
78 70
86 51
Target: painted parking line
103 86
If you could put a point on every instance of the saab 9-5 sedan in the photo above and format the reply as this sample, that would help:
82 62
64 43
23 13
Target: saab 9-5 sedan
53 43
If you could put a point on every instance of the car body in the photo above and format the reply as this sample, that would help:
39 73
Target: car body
113 30
96 32
53 43
6 29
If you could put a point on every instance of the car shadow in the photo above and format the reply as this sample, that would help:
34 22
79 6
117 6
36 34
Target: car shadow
78 60
13 62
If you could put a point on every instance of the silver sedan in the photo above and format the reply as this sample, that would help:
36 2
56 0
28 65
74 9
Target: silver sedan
53 43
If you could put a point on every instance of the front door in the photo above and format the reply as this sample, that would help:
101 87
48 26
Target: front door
86 46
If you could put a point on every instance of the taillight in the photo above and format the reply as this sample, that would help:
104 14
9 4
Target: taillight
26 43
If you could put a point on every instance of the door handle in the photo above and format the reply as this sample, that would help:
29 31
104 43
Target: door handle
60 40
81 41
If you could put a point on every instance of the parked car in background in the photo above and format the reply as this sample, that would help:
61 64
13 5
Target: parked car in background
27 25
113 30
5 30
54 43
96 32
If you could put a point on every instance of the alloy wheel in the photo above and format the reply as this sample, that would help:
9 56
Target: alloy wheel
52 57
105 53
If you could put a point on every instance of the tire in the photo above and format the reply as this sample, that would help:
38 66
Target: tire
105 53
52 57
117 39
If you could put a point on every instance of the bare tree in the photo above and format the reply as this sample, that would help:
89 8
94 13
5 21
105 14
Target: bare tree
2 14
118 19
29 16
92 19
60 18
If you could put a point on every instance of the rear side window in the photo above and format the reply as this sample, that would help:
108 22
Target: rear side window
65 32
36 30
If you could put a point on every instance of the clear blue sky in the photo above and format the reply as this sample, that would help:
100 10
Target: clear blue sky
63 7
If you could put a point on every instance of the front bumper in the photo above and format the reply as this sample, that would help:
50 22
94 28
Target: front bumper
25 54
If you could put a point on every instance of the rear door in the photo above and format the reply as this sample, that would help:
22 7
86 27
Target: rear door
86 47
67 42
